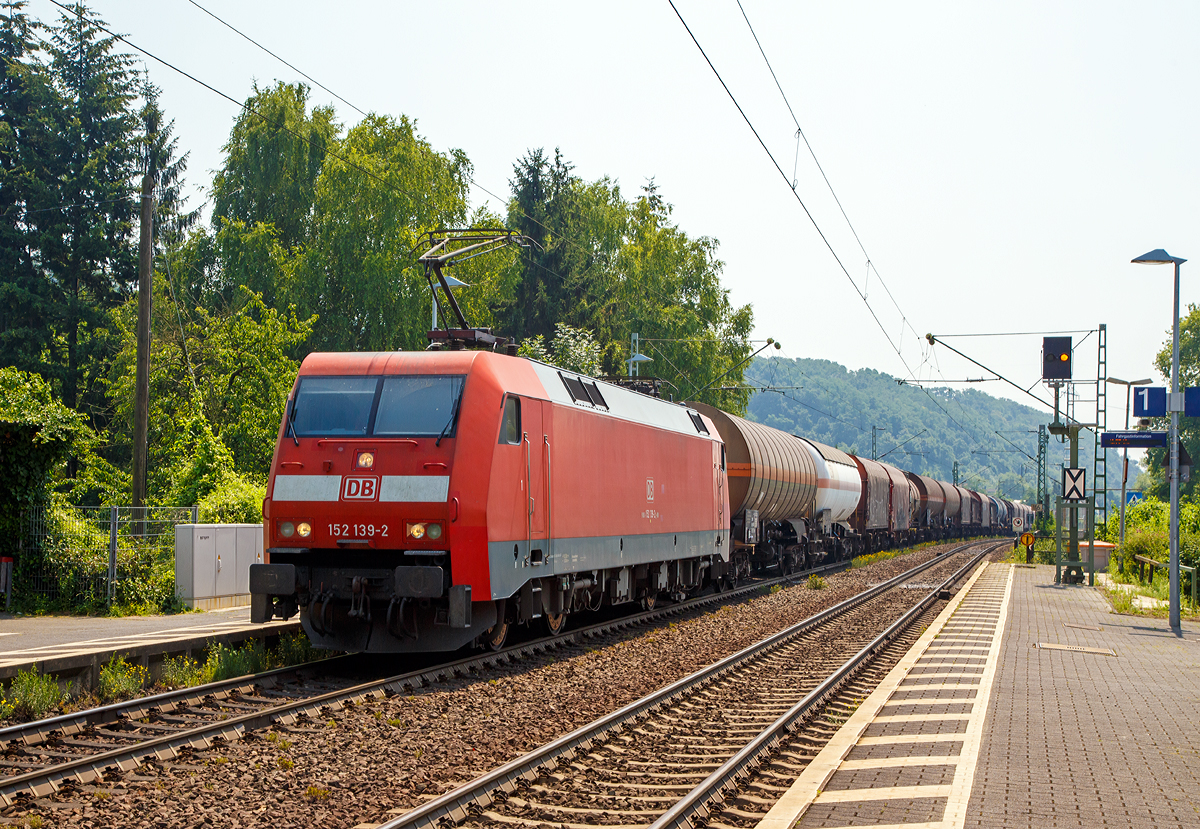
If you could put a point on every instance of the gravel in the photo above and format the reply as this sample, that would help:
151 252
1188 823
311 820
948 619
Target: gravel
366 763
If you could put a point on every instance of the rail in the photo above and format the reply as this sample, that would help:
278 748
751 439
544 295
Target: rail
457 804
85 768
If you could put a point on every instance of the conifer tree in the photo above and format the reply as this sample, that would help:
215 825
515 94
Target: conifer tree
86 244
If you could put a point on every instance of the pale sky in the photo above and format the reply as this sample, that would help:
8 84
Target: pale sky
1001 163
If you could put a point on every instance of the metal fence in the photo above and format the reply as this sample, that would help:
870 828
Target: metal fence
83 558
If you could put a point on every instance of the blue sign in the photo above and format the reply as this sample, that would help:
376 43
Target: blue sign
1191 402
1149 401
1133 440
1133 496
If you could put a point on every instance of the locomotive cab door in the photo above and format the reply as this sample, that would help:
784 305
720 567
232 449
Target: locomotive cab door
719 492
536 443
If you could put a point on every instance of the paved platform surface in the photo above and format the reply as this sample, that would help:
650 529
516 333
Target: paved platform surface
1023 705
57 643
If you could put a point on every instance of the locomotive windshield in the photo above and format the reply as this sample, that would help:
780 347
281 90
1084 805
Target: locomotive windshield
418 406
411 406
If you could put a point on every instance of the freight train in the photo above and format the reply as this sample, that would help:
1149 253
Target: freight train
427 501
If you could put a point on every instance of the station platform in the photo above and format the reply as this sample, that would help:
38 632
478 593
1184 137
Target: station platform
1025 704
76 646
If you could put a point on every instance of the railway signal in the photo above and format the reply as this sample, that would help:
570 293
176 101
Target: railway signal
1056 358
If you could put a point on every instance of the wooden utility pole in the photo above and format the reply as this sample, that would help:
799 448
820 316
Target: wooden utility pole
141 400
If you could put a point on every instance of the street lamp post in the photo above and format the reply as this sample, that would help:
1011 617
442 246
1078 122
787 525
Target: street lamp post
1159 256
1128 384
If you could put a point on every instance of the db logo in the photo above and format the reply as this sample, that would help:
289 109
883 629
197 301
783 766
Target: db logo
360 489
649 489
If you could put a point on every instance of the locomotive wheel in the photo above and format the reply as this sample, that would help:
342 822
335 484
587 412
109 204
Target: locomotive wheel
554 623
496 635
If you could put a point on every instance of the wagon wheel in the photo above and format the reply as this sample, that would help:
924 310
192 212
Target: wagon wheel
649 600
554 622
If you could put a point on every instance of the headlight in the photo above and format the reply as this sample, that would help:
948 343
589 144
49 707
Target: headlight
434 531
287 529
366 460
416 530
304 529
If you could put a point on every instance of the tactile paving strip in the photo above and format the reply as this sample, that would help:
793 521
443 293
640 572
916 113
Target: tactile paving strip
907 756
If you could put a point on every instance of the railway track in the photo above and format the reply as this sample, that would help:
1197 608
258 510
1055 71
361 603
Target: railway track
37 758
669 758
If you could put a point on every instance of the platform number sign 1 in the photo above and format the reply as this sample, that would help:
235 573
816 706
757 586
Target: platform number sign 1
1074 484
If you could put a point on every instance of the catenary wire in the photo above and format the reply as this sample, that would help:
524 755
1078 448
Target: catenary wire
832 192
242 34
350 164
817 227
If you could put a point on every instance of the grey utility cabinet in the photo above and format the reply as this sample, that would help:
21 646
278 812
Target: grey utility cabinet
212 563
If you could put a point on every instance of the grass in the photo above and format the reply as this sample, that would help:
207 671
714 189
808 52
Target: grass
815 582
1158 587
872 558
32 696
316 793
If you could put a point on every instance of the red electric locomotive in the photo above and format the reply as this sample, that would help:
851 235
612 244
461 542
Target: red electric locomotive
430 500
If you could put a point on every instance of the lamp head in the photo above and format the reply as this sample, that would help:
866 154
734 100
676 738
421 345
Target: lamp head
1158 256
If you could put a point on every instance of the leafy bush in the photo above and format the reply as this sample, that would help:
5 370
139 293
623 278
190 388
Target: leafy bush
31 696
36 434
815 582
1146 541
234 500
120 679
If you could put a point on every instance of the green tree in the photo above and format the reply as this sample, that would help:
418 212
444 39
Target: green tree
1189 427
85 245
669 291
159 154
384 190
272 160
612 267
26 96
221 373
576 230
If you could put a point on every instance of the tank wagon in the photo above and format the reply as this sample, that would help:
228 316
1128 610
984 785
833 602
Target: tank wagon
433 500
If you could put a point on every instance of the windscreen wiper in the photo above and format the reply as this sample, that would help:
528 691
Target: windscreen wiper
450 422
291 426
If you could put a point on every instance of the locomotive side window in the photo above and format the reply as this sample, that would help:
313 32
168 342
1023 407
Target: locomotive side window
418 405
510 430
333 405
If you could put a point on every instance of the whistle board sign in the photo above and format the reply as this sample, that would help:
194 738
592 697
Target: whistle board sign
1074 487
